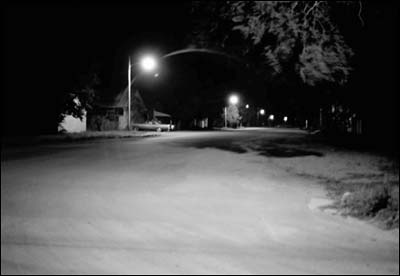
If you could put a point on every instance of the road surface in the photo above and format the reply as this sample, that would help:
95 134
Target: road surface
181 203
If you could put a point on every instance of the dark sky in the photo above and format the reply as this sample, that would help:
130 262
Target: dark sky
46 47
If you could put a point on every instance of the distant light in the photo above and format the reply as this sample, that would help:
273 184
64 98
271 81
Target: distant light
271 117
247 106
262 111
156 75
148 63
234 99
285 119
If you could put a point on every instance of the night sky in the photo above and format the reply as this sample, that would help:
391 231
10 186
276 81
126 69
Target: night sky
46 47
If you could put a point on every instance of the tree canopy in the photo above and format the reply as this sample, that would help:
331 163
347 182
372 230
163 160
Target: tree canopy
81 99
290 40
232 115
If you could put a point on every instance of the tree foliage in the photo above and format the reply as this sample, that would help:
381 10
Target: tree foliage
288 39
232 115
81 99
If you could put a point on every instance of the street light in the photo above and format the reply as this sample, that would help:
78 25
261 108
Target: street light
233 99
148 64
260 112
247 106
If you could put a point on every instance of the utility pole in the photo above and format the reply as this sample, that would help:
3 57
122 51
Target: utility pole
129 93
225 111
320 119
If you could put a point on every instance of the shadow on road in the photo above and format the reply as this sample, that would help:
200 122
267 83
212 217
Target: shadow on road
270 150
278 151
221 144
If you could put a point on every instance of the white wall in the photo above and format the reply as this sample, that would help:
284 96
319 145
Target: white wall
122 121
71 124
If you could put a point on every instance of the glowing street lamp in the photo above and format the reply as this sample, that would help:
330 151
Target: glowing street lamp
233 99
147 64
260 112
247 106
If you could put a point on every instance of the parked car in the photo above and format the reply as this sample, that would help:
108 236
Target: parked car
154 125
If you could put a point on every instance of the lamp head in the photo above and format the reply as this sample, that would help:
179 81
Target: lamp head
233 99
148 63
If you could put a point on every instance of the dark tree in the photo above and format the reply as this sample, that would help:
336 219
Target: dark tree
287 40
232 115
81 99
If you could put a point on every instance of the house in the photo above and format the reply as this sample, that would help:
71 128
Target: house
114 115
200 123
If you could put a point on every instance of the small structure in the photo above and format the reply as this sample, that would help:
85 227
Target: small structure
163 117
114 115
200 123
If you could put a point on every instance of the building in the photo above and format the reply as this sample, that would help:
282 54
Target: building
114 115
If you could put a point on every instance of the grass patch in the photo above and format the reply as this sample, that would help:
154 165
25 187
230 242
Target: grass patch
379 201
364 183
18 141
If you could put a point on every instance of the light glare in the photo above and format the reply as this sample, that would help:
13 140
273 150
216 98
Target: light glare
148 63
233 99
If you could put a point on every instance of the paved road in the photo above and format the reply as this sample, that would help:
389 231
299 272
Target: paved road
182 203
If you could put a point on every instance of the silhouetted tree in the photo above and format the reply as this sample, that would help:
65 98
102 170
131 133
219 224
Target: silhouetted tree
288 39
81 98
232 115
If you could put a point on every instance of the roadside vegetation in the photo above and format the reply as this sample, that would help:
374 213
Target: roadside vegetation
71 137
362 181
363 184
379 201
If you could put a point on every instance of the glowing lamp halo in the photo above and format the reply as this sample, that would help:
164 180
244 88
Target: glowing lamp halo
148 63
234 99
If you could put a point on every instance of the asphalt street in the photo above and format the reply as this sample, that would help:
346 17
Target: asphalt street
181 203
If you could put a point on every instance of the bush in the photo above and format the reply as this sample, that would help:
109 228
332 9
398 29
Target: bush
379 201
366 201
